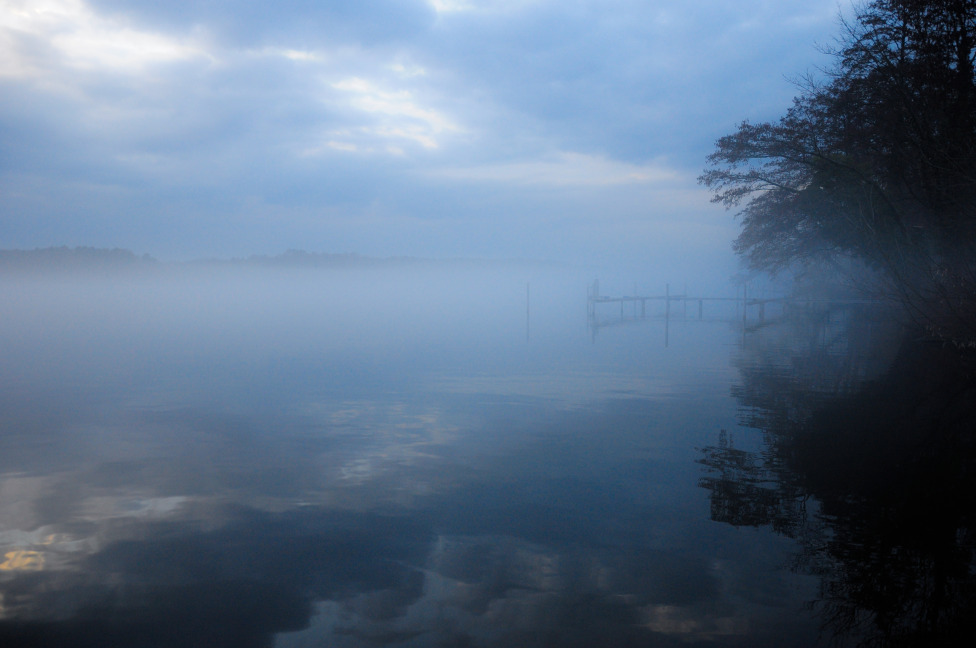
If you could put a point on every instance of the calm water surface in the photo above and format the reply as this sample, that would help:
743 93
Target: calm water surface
390 458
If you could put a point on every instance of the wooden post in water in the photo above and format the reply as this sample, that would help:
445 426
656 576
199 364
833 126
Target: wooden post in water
592 294
745 304
667 312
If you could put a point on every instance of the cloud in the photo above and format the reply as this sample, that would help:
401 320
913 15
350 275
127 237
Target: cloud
457 6
290 54
250 23
453 125
71 34
563 169
396 114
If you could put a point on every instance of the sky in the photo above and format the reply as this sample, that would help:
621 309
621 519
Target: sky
560 130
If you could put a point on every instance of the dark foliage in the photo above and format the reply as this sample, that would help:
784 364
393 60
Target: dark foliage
877 161
870 474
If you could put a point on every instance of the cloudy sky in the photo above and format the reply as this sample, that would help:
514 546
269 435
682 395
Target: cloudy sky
545 129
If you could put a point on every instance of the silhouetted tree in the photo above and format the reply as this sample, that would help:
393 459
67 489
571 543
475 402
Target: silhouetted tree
876 162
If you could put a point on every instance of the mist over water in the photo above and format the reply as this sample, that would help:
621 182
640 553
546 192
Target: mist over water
371 456
348 445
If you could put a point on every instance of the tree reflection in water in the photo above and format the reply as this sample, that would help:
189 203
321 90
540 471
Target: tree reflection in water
868 460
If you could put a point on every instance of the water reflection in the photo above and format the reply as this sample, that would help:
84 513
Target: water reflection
219 578
264 470
866 459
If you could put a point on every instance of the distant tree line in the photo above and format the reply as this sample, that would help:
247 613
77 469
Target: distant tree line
90 258
65 258
301 258
874 166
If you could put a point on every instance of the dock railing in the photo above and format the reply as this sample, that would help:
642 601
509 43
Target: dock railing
750 311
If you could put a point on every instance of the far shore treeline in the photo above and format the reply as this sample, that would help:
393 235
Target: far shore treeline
870 176
67 259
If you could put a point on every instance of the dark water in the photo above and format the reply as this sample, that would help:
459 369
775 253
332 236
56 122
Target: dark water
381 458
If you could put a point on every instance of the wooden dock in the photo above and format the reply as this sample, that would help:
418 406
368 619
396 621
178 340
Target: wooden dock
594 299
750 311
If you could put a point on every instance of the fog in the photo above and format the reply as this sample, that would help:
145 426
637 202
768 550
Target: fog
427 323
418 454
350 450
410 318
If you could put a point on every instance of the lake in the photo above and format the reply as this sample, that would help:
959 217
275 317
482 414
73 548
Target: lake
400 457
